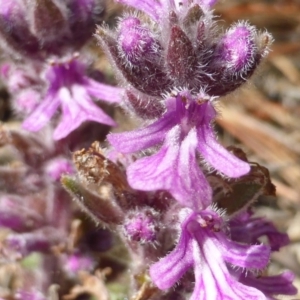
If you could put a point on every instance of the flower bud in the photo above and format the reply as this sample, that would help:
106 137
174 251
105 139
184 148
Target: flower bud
83 16
157 80
181 57
141 226
29 295
98 205
136 42
15 36
236 49
48 20
26 101
193 15
236 57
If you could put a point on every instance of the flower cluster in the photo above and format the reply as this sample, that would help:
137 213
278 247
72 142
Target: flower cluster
47 71
174 64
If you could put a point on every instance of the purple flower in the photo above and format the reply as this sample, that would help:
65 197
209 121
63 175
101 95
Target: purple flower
270 285
183 130
72 90
246 229
205 247
182 50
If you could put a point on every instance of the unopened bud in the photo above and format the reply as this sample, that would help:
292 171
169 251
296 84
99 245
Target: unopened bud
193 15
181 57
99 205
141 226
47 19
157 80
236 57
15 36
236 49
78 262
16 216
83 17
136 42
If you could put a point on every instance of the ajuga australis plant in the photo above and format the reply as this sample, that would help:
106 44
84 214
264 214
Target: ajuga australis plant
160 212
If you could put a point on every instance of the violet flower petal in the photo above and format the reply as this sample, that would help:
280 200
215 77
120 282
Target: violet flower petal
103 91
42 114
132 141
212 278
76 109
246 229
167 271
245 256
272 285
217 156
173 168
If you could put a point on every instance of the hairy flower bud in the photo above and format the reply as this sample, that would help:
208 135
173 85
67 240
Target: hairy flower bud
193 15
157 80
141 226
235 58
15 35
236 49
181 58
48 20
83 16
136 42
99 206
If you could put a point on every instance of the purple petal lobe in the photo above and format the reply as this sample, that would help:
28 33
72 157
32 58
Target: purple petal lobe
272 285
217 156
42 114
103 92
78 108
166 272
213 280
251 257
132 141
